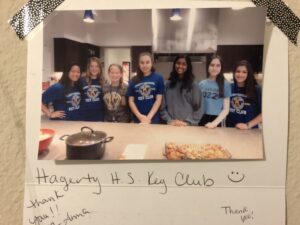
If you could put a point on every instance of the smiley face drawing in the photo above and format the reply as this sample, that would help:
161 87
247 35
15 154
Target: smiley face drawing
235 177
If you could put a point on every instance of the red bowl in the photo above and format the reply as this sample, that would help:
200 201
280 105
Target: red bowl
46 137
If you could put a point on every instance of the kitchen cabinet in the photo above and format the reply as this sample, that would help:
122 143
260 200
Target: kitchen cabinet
135 52
234 53
67 51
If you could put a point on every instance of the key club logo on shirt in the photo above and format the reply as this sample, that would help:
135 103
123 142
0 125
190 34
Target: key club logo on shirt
93 93
74 100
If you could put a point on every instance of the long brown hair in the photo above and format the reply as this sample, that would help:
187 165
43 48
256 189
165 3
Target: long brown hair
88 73
250 81
220 77
138 78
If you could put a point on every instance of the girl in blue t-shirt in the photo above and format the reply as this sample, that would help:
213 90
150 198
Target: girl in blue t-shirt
245 100
145 92
215 92
92 100
65 96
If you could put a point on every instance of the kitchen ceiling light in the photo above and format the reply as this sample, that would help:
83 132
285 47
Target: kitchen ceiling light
175 16
88 16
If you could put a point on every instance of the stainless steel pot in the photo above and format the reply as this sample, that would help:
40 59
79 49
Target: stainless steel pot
88 144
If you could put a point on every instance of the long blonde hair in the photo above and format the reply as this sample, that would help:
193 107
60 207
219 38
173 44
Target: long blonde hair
121 84
88 72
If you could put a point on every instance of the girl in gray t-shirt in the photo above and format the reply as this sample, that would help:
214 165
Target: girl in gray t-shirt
182 98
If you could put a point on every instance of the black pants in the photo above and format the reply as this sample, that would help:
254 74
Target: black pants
207 118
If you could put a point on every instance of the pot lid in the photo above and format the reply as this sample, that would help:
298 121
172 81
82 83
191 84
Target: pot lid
85 138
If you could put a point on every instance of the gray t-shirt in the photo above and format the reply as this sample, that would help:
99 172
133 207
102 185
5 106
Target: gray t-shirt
116 106
185 105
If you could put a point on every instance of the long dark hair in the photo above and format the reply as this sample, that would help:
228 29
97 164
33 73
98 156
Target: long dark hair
250 81
139 76
188 77
220 77
65 80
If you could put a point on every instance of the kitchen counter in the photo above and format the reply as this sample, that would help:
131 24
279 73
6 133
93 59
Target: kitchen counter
151 139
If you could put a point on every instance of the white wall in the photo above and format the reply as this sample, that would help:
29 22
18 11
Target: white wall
133 28
129 27
115 55
241 27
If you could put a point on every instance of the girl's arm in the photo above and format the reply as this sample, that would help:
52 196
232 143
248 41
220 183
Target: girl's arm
256 120
55 114
142 118
155 107
194 118
221 116
250 124
164 112
55 92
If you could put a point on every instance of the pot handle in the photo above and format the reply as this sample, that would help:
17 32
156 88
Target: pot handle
62 138
90 129
108 139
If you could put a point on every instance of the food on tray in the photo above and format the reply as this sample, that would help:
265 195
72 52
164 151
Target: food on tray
195 151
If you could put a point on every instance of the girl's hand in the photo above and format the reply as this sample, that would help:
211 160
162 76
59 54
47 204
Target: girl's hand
181 123
57 114
144 119
210 125
178 123
242 126
174 123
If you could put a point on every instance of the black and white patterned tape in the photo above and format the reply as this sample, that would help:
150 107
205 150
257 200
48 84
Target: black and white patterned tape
31 14
282 16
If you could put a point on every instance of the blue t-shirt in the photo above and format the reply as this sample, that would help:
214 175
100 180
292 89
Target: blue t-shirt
92 108
144 94
211 102
242 110
68 102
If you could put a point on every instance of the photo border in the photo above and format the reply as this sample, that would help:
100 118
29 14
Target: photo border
275 74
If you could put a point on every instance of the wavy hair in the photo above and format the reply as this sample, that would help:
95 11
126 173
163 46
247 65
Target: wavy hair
88 72
250 81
